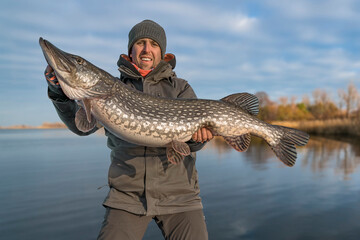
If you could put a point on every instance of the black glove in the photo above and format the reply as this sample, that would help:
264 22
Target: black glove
51 78
55 91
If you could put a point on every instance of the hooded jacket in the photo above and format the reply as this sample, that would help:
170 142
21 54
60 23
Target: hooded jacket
141 179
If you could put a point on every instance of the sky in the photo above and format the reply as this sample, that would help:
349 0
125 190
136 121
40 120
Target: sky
283 48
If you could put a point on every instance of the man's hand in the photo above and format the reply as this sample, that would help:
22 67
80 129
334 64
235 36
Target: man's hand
50 76
202 135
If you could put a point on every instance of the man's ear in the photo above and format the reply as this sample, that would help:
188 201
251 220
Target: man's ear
130 53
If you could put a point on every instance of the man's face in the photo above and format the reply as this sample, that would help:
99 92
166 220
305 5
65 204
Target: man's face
146 53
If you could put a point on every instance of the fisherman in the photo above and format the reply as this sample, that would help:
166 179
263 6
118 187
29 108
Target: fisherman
143 184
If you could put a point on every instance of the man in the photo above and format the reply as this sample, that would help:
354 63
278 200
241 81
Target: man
143 184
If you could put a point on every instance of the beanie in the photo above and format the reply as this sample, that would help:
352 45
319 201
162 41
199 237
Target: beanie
148 29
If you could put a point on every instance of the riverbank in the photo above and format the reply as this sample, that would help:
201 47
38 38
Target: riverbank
45 125
342 127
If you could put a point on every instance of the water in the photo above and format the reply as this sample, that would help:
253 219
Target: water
49 183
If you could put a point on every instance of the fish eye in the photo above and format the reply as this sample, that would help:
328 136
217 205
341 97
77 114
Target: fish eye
79 60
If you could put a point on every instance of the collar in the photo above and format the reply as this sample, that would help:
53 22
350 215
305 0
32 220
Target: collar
142 72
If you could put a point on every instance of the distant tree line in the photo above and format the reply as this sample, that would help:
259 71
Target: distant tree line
319 107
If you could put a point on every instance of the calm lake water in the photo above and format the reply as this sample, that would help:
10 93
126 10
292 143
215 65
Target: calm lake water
49 182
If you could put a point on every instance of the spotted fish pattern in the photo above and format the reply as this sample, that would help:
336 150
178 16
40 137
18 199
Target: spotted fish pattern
147 120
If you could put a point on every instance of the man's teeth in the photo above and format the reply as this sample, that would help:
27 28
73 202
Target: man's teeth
146 59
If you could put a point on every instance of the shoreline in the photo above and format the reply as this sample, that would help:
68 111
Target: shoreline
334 127
45 125
329 127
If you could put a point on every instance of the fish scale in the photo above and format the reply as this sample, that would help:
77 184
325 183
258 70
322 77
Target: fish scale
152 121
158 121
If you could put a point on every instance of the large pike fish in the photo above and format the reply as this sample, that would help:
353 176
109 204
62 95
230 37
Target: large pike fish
146 120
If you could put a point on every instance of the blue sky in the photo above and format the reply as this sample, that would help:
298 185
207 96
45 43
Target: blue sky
285 48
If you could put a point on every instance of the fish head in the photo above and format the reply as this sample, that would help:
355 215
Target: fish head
78 78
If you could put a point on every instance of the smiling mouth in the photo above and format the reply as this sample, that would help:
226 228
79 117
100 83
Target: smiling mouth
146 59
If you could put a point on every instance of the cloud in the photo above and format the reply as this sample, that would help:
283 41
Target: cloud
73 16
327 22
194 16
281 47
316 10
67 15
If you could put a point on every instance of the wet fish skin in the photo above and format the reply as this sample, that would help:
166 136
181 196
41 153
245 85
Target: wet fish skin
146 120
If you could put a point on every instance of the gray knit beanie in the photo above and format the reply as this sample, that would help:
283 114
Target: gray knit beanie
148 29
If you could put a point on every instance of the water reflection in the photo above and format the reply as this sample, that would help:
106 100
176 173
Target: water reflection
320 154
252 195
249 195
342 155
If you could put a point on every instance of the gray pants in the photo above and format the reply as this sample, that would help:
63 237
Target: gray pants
119 225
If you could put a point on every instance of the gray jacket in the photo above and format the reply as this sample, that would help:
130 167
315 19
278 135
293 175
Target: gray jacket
141 179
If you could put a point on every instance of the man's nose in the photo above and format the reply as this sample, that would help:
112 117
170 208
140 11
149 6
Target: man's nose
146 47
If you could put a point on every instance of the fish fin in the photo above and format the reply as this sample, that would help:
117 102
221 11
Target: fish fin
82 122
246 101
173 156
181 147
239 143
87 107
285 149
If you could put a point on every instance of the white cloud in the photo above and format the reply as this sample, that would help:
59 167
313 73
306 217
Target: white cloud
327 22
320 9
281 47
67 15
193 16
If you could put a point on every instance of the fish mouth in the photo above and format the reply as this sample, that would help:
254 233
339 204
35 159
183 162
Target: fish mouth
63 66
56 58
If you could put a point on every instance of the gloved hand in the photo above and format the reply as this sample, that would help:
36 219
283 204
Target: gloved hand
50 76
55 90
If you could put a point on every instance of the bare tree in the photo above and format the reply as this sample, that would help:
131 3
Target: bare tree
306 100
349 98
283 100
323 106
293 102
320 96
264 99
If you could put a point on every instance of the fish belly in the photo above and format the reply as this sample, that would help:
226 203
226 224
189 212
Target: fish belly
132 126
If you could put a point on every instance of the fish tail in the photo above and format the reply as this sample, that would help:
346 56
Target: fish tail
285 148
